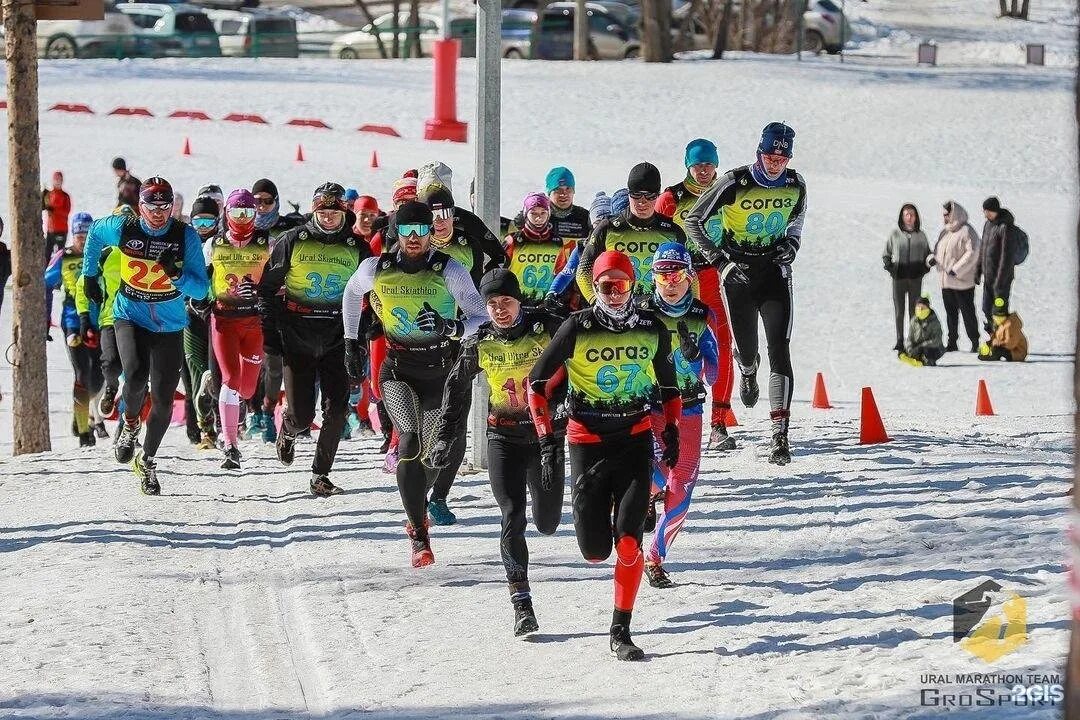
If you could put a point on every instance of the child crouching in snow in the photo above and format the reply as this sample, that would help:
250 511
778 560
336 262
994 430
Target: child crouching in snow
924 343
1008 342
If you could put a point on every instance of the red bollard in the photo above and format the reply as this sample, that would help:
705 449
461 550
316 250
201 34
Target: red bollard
445 125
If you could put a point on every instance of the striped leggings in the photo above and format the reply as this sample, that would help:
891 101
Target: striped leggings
678 481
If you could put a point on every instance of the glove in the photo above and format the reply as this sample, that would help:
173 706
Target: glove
200 307
246 289
931 261
87 332
92 288
552 460
784 251
952 273
428 320
439 455
670 436
168 260
733 272
890 267
554 305
356 360
688 346
272 344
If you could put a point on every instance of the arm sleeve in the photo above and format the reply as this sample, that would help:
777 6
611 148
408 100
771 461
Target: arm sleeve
82 303
458 388
53 277
193 281
665 204
460 285
103 233
887 254
1004 258
592 248
565 277
666 379
968 262
795 222
487 241
548 373
352 302
710 354
272 279
721 193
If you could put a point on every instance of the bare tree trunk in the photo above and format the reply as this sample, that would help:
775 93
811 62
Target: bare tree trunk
395 26
1004 10
656 31
412 41
30 388
722 33
371 20
581 31
1024 10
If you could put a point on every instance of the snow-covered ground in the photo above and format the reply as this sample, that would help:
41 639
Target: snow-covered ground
823 589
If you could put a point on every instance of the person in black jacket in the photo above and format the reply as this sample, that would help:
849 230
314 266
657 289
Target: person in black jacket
312 263
996 267
907 258
5 263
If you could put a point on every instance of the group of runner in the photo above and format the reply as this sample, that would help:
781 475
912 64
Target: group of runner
597 329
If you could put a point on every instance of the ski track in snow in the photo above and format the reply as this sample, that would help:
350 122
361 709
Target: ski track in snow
823 589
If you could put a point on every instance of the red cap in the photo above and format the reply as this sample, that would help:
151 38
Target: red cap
365 202
612 260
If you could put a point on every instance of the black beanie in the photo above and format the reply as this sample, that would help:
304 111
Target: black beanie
643 177
437 197
500 281
205 205
265 186
992 204
119 164
413 212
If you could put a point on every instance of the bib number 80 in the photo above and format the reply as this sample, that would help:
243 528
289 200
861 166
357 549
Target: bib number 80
758 224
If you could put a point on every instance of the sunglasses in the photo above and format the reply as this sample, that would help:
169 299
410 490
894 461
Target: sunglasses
158 207
614 287
264 201
203 223
644 195
241 213
671 278
417 229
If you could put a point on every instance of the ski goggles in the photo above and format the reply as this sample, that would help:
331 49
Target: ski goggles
614 287
644 195
157 206
416 229
443 213
203 223
242 214
671 277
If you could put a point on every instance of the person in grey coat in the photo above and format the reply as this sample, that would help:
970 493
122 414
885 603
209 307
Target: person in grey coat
907 258
996 266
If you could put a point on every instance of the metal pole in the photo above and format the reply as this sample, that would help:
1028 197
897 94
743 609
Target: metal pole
488 137
445 12
843 21
800 8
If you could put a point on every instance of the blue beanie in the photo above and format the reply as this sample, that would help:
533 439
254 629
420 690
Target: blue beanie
672 255
558 177
80 224
620 201
777 139
350 195
701 151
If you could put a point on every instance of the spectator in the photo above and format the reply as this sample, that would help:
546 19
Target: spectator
127 185
1008 341
5 263
996 257
957 258
924 346
907 258
57 206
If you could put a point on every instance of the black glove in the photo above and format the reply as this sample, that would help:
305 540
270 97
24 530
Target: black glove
428 320
784 251
92 288
87 332
272 343
246 289
554 305
688 345
439 455
552 461
732 272
356 356
932 261
890 267
168 259
670 436
200 307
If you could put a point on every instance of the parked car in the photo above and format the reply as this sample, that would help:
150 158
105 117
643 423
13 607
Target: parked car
114 36
361 43
255 33
517 30
173 30
609 38
824 27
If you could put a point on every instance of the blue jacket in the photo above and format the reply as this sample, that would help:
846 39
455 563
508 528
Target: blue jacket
54 279
161 316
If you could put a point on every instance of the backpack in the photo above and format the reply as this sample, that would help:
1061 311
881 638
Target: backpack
1018 245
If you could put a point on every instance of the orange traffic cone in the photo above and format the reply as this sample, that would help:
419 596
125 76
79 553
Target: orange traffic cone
187 147
871 429
821 398
374 159
982 401
299 153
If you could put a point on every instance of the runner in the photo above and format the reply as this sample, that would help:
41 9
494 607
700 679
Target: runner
536 252
417 293
505 348
205 218
618 361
